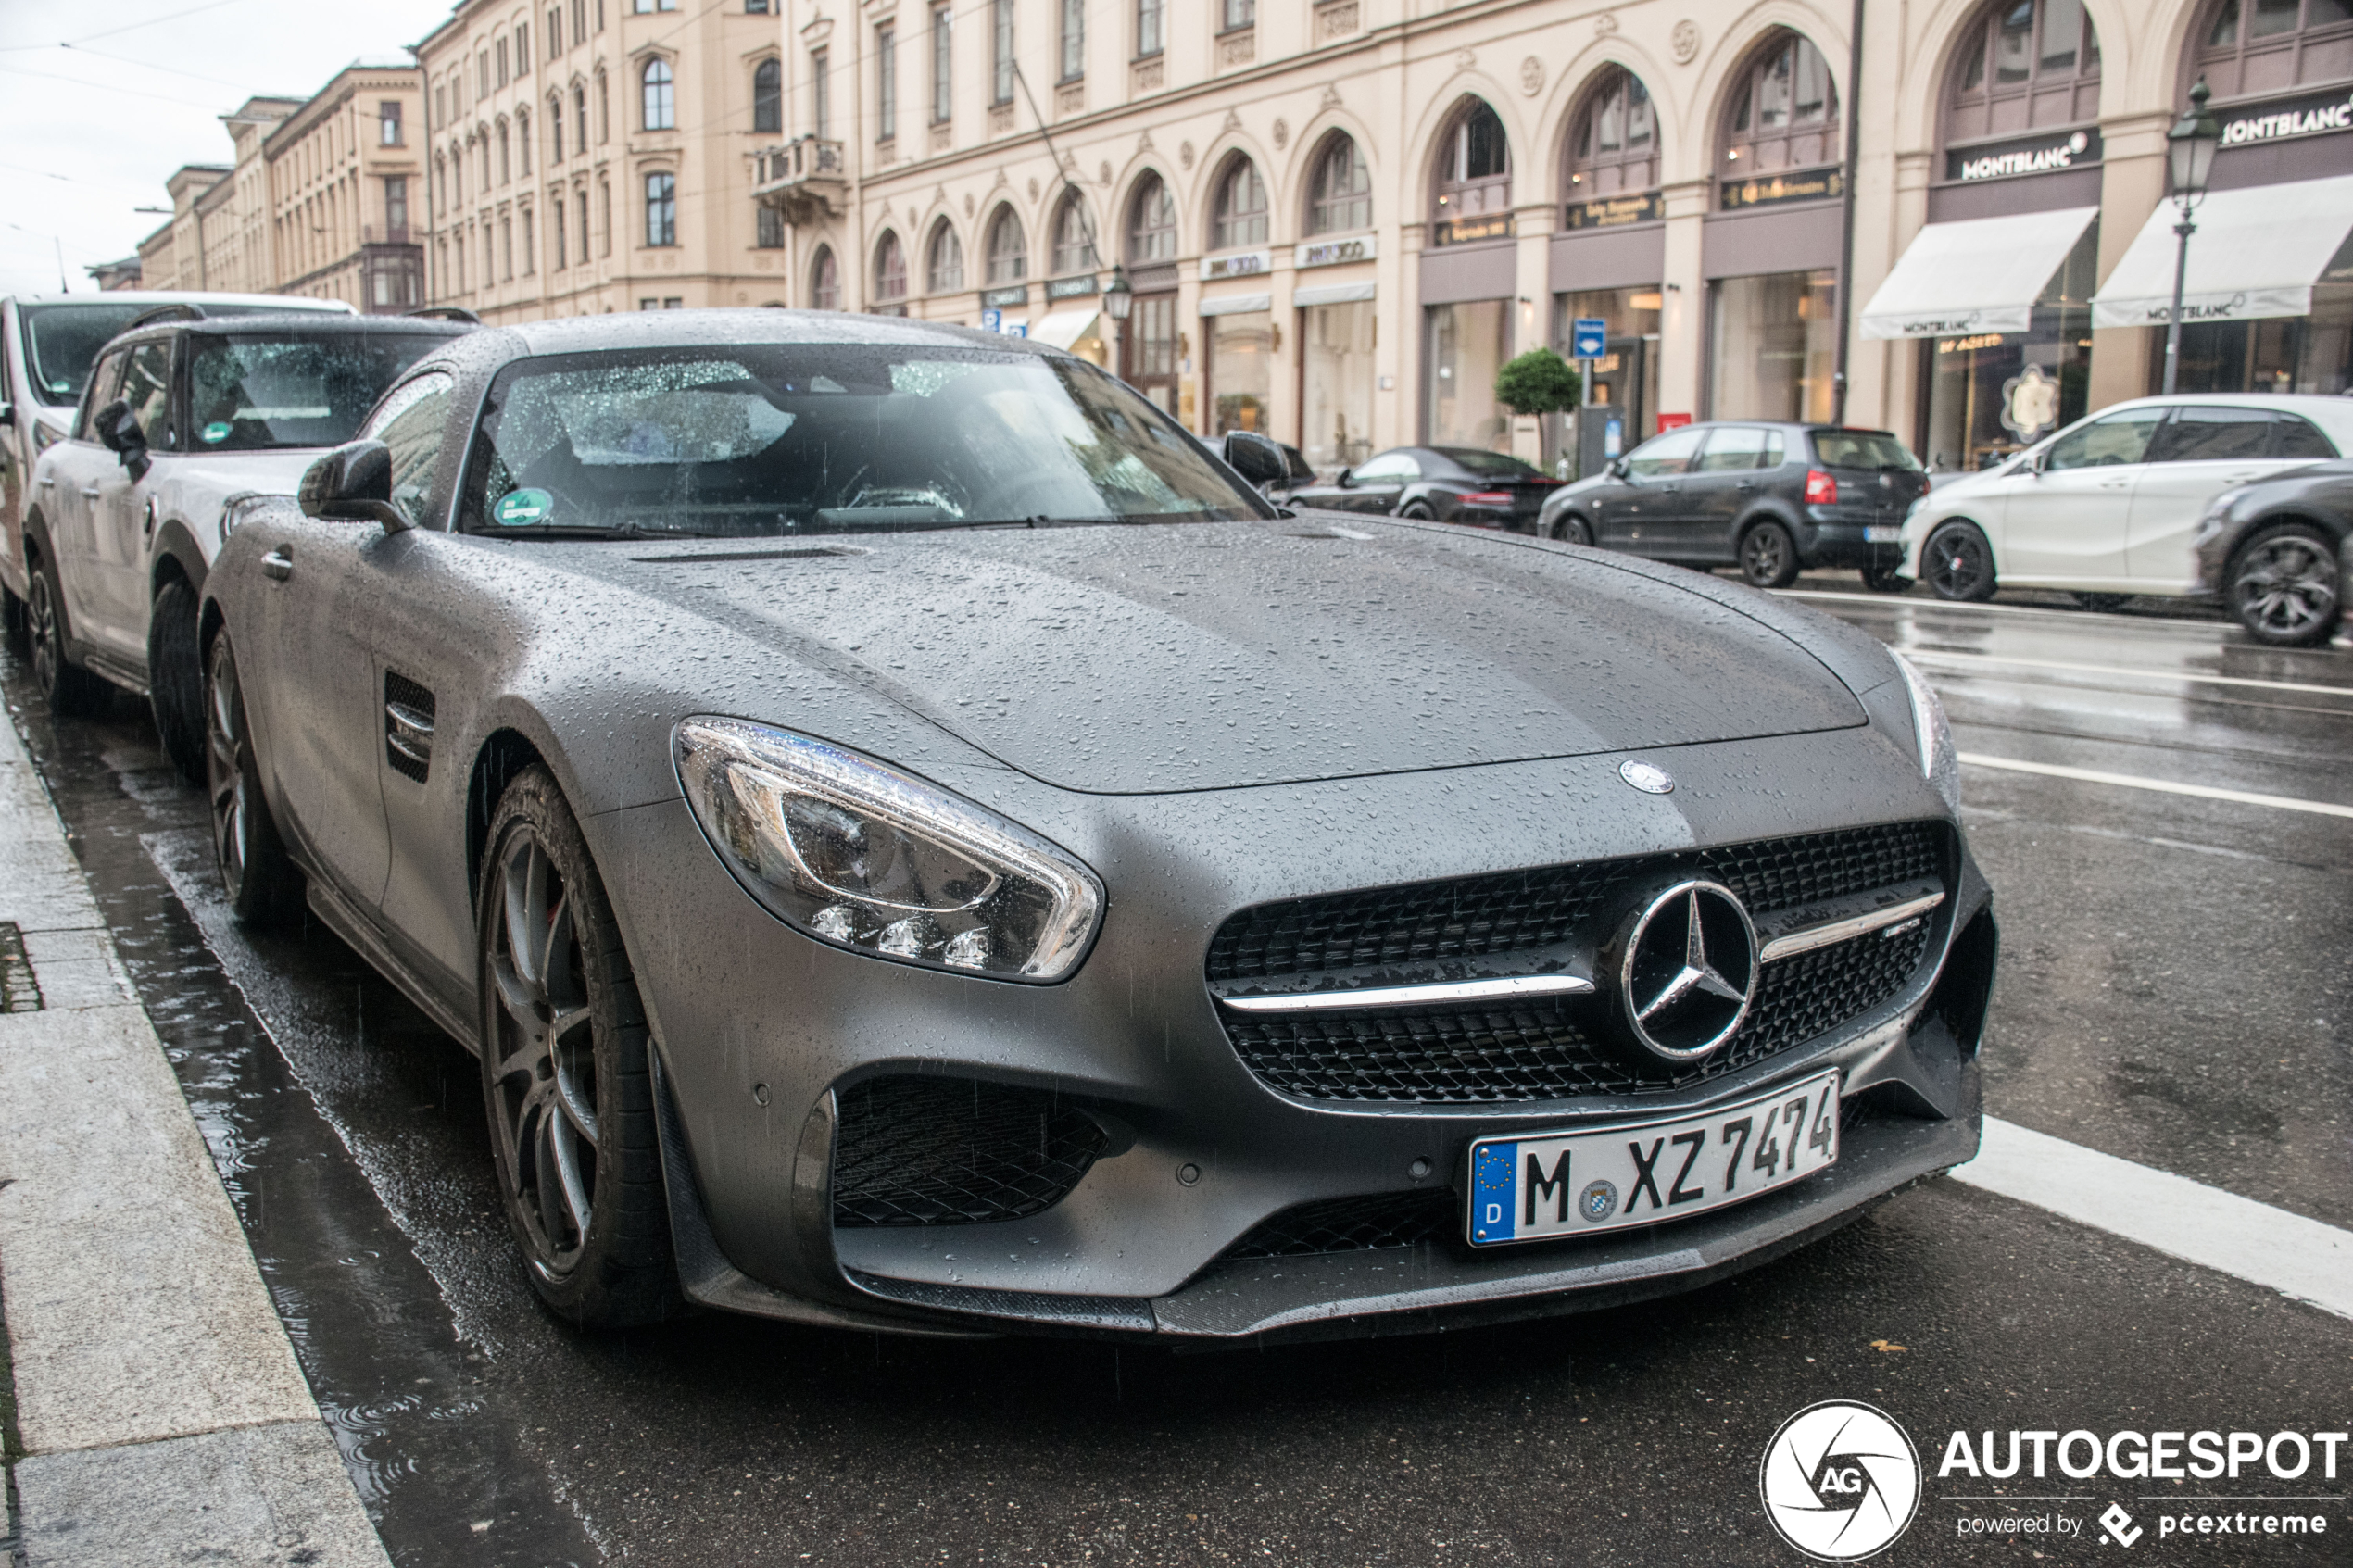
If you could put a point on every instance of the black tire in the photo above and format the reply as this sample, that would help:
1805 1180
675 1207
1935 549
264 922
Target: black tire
259 878
67 688
13 625
1885 580
1958 564
175 677
2283 586
1419 511
2100 603
1570 529
564 1076
1768 555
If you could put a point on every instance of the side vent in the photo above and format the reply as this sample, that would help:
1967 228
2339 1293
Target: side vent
408 726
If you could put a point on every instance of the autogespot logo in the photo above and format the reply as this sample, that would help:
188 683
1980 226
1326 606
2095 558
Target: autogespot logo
1841 1481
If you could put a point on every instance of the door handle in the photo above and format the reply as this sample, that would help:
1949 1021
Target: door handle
150 529
46 482
89 491
278 565
1746 484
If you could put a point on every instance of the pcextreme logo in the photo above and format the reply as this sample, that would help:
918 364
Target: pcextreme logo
1840 1481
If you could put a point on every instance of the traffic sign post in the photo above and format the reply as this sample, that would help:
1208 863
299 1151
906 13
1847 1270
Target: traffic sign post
1588 338
1588 341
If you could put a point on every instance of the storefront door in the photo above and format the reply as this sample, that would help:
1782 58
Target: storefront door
1148 352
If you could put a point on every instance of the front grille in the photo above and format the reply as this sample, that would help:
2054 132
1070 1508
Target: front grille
1353 1225
1555 1049
948 1152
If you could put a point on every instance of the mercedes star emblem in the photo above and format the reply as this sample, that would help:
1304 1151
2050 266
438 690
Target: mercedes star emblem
1688 971
1649 779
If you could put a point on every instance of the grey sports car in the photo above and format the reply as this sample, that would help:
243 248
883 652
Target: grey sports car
918 843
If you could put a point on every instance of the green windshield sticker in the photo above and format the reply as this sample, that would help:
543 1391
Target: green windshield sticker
218 430
520 509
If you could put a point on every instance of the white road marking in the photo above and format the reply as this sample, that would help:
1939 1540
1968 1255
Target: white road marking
2163 786
1935 656
2184 1219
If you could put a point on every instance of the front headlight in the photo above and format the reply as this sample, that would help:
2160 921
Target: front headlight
1940 764
858 854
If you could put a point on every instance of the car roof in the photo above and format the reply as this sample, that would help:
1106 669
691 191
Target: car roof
720 329
312 324
151 297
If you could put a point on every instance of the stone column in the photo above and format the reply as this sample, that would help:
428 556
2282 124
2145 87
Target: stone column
1682 317
2131 185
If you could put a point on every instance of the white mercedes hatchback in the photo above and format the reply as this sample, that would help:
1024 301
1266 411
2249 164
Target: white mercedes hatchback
2107 506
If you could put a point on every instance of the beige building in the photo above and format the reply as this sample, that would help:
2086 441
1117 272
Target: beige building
344 172
1339 218
591 156
218 235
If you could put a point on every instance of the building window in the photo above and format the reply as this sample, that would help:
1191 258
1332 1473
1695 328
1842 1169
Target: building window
1241 208
891 275
821 94
523 50
502 62
522 140
1073 246
943 64
1152 222
1241 369
662 110
662 210
556 235
2027 63
1235 15
1775 342
755 8
768 97
506 172
1614 146
1151 28
397 209
604 214
388 129
824 281
885 82
647 7
944 260
530 246
555 128
1784 113
1000 51
556 30
1073 59
1008 251
1467 344
2255 46
1474 180
506 250
1340 197
768 228
580 114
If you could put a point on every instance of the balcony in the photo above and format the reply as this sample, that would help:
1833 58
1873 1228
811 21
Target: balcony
804 178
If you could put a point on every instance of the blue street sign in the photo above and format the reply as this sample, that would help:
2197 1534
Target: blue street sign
993 320
1589 338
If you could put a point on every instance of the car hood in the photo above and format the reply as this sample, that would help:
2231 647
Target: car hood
1152 659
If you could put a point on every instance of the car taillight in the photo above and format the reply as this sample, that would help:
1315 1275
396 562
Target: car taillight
1821 489
1488 498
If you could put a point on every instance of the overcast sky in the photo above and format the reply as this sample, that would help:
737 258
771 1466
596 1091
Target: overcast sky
90 132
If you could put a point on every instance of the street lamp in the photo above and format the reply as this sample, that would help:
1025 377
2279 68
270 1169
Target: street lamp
1119 299
2189 158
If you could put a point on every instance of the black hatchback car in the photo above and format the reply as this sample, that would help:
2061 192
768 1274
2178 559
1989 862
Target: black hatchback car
1773 499
2275 552
1465 484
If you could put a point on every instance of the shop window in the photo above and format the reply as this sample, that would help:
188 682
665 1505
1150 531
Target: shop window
2248 46
1336 384
1241 369
890 276
1473 194
1614 145
1467 344
1007 249
2024 64
1988 394
1784 113
944 260
1776 343
824 281
1152 222
1340 200
1241 216
2311 354
1148 349
1625 381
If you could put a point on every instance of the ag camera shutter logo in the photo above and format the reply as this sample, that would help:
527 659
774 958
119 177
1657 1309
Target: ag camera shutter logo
1840 1481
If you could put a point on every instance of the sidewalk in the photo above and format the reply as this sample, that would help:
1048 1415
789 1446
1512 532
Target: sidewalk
161 1414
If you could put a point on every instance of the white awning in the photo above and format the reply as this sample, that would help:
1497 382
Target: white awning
1063 328
1979 275
2257 252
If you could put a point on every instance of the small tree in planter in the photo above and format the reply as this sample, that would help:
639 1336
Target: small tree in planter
1538 381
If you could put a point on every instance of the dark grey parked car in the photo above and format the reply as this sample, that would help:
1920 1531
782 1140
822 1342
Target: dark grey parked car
1459 485
2272 552
1773 499
918 844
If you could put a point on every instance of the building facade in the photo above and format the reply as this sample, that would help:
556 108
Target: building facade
345 173
1339 217
590 156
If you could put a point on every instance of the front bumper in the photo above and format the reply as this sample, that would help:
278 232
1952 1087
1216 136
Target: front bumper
761 1031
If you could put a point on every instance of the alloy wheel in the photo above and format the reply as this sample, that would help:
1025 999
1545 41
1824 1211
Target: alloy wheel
1765 556
2285 589
542 1054
41 616
1957 565
226 771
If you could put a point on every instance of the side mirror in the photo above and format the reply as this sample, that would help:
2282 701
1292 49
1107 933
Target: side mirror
7 414
1343 477
353 483
118 432
1255 457
1619 468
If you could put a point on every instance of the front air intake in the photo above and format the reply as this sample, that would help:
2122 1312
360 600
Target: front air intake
955 1152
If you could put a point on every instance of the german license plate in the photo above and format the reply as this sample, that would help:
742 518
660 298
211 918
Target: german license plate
1883 533
1538 1185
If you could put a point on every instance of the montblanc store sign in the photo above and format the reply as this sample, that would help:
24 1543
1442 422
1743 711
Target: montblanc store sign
2315 115
2042 154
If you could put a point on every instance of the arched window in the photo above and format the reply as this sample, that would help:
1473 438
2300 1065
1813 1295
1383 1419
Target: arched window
1784 111
944 260
661 211
662 110
2021 65
890 274
824 281
1073 246
1613 146
1008 251
1341 196
1474 196
555 128
1152 222
2257 46
768 96
1240 215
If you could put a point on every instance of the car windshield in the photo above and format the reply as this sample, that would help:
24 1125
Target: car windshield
250 394
61 341
1861 449
1488 465
771 440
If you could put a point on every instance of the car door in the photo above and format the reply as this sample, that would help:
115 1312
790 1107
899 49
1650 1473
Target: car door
1376 486
119 523
2203 450
2068 519
1641 514
1721 486
65 489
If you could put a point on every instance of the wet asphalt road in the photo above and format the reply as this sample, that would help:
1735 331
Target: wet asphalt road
2175 989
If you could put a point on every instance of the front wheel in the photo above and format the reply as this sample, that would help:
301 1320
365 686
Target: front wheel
1958 564
258 876
2283 586
64 685
1769 556
1573 530
564 1071
175 677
